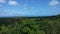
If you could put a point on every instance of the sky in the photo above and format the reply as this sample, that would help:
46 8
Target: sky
9 8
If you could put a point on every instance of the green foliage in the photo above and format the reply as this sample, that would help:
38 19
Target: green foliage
50 25
31 32
25 29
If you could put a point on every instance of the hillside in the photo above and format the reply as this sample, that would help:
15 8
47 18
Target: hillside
30 25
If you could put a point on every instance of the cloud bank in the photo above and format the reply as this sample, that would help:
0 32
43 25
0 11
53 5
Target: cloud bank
54 3
11 2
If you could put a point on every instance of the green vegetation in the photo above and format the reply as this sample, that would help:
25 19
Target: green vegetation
30 25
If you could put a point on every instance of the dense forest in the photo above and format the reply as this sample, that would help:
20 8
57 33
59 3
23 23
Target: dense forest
30 25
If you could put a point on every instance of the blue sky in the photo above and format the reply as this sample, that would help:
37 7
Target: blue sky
29 7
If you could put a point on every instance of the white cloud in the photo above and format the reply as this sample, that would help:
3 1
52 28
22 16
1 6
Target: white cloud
2 1
11 2
53 3
25 6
